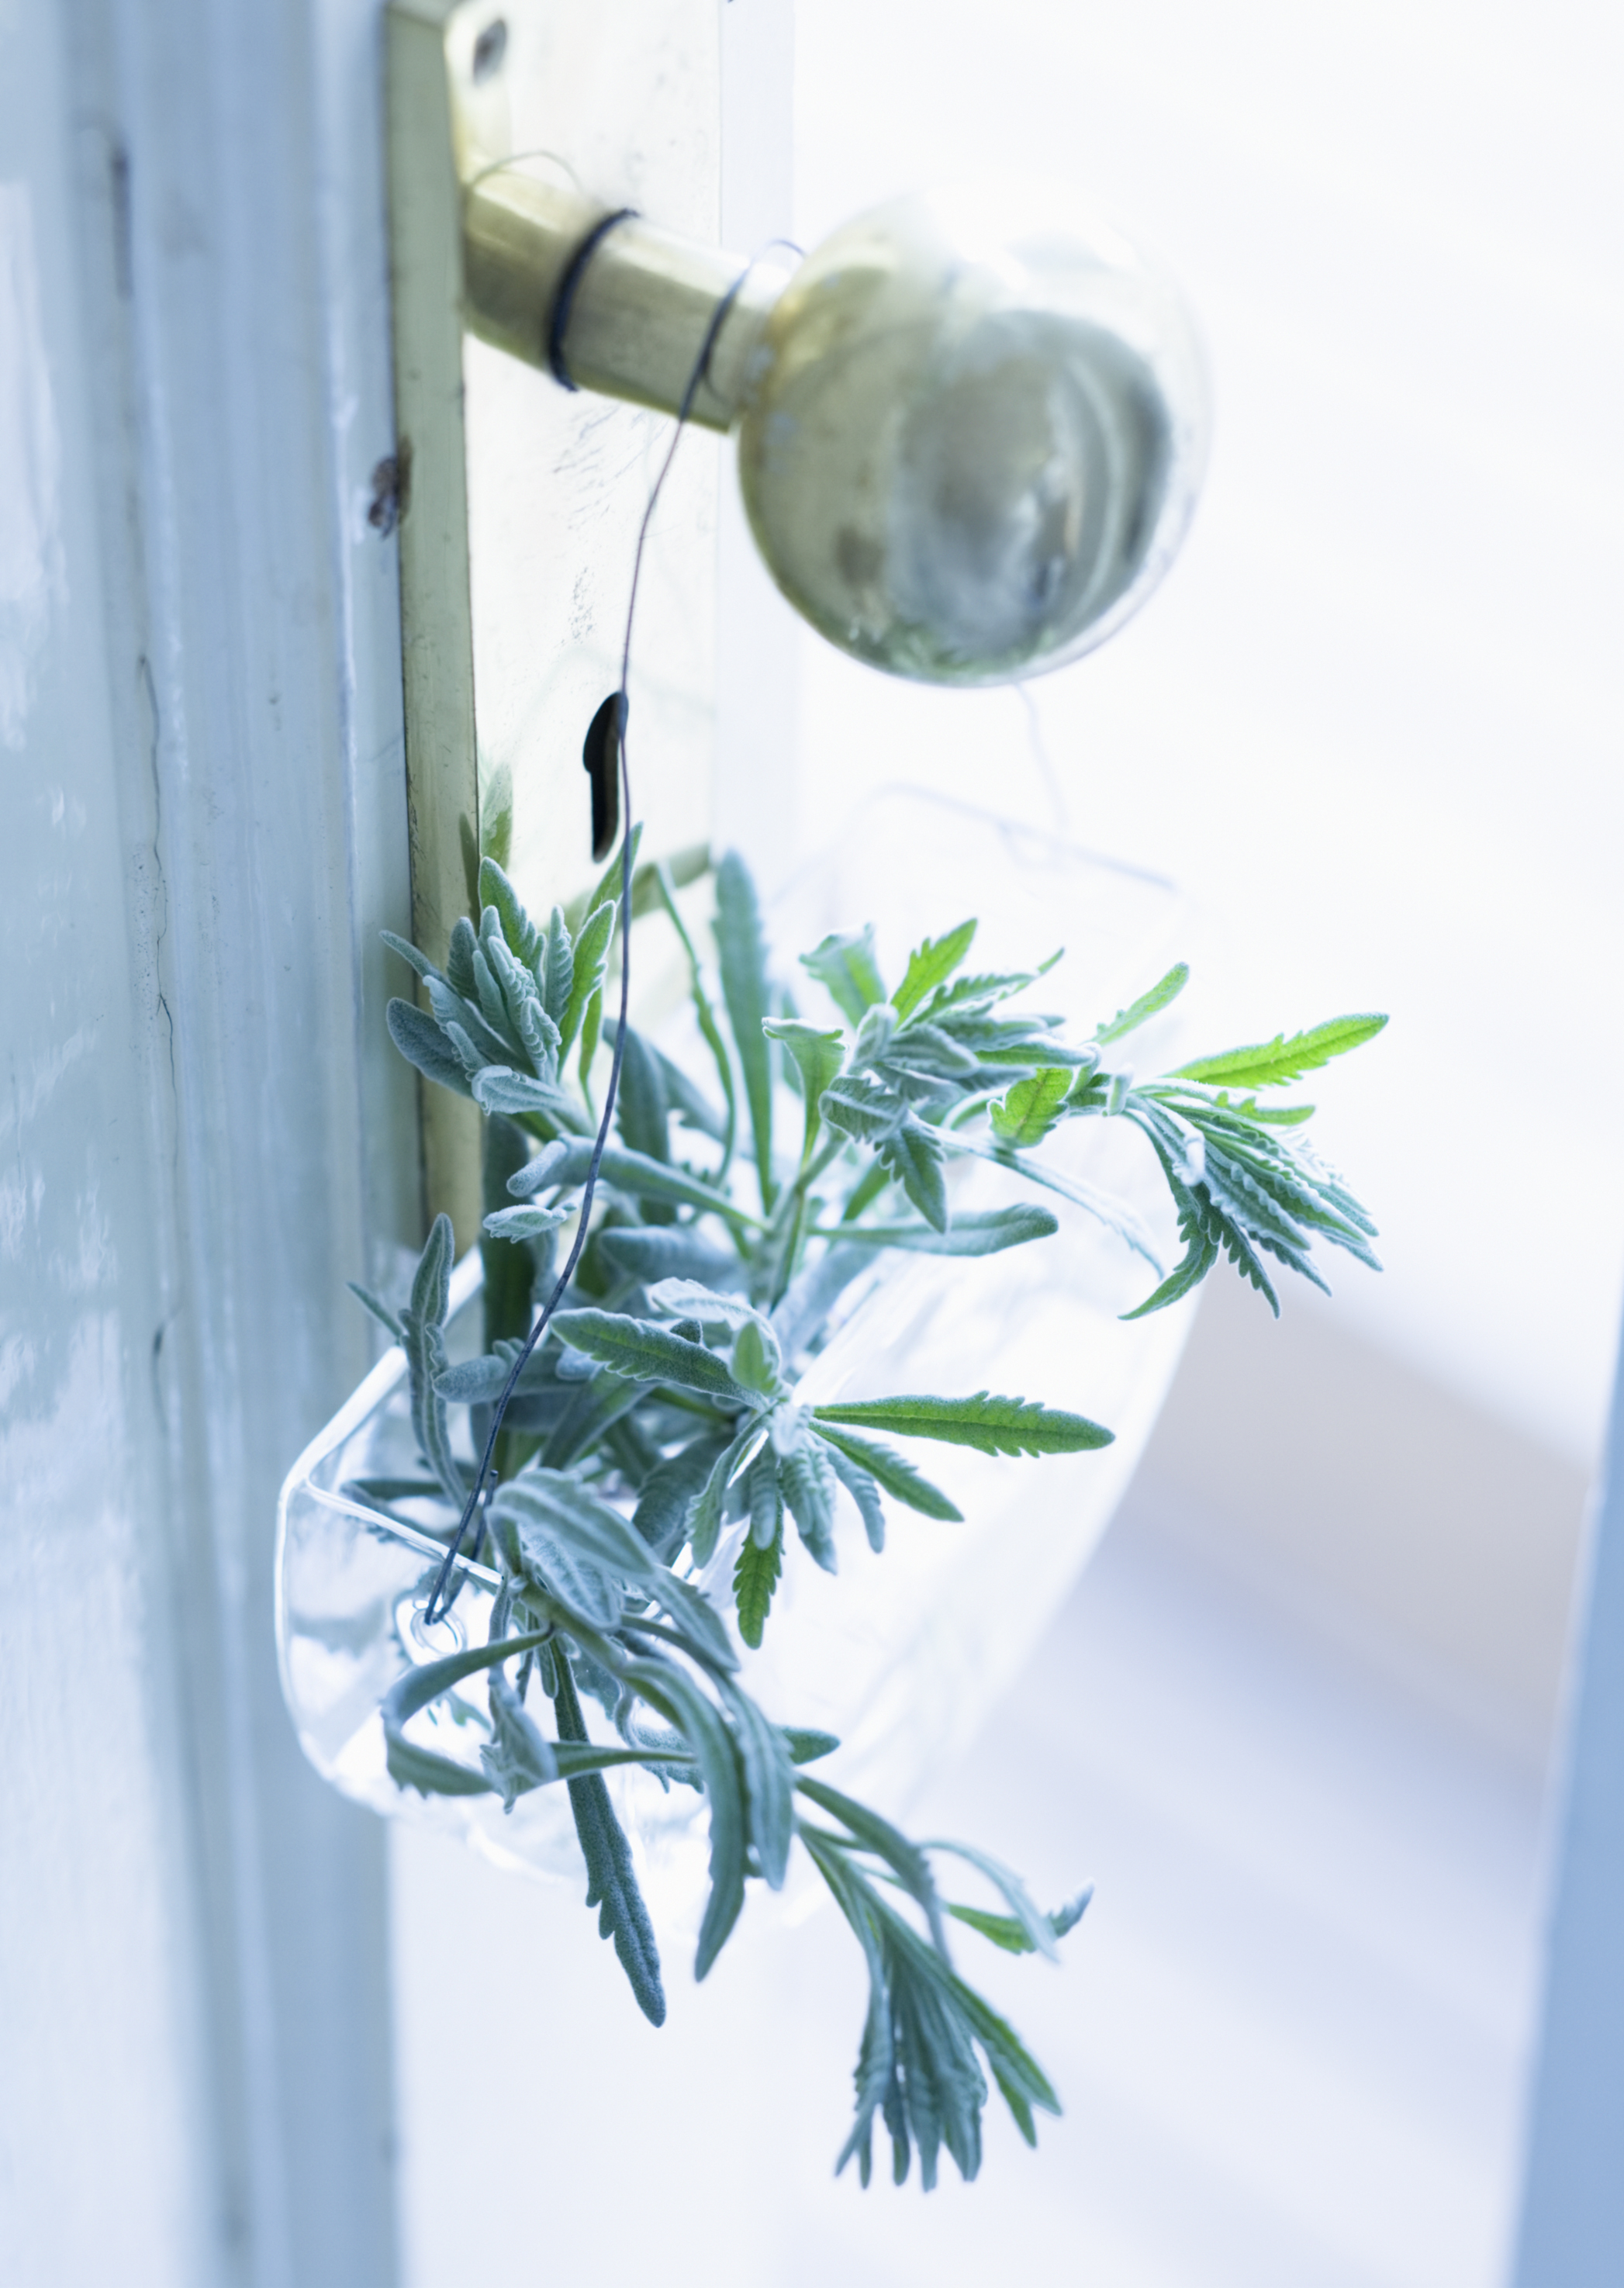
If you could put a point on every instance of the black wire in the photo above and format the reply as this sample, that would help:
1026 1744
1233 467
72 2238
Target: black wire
569 285
440 1604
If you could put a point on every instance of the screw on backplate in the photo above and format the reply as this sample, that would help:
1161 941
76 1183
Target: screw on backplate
490 50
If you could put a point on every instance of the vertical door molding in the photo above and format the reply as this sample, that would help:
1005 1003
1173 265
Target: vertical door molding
225 642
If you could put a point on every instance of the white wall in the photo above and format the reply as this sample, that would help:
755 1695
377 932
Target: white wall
1373 721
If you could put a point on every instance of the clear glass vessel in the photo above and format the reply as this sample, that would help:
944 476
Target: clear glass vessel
901 1654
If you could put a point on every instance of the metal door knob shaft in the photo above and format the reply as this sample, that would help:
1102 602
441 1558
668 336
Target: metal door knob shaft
971 426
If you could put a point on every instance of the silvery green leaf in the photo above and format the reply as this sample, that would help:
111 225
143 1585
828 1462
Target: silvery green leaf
518 1758
706 1522
743 961
498 1088
410 1766
459 958
864 1109
641 1108
992 1424
818 1058
846 967
769 1783
670 1251
522 938
757 1362
493 1002
538 1173
786 1428
423 1326
640 1178
556 973
681 1703
455 1013
595 1406
1006 1931
409 952
547 1501
590 952
423 1044
806 1479
1111 1212
984 1233
526 1223
1038 1931
892 1470
766 1503
688 1103
669 1493
905 1860
913 1154
932 964
380 1311
929 1049
540 1558
874 1035
639 1348
807 1747
814 1291
612 1883
688 1298
865 1493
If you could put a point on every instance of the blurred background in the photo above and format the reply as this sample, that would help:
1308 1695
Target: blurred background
1297 1718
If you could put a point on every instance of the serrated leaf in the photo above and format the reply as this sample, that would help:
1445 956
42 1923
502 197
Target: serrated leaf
932 964
681 1703
806 1480
984 1233
992 1424
547 1502
846 967
525 1223
1271 1064
892 1471
421 1043
744 960
1165 990
612 1883
1030 1109
410 1766
769 1783
590 952
498 1088
912 1155
767 1502
647 1353
555 972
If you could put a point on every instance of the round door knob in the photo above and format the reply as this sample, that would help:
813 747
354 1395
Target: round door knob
971 435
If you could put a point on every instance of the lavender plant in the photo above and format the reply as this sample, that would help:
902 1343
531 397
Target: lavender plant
659 1409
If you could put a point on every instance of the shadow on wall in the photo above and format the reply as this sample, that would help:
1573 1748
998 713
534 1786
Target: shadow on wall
1425 1535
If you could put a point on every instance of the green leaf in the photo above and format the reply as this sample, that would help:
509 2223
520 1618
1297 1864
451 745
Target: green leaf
984 1233
818 1058
1149 1004
754 1578
498 1088
496 819
744 960
590 952
670 1252
421 1043
1010 1934
642 1179
769 1783
523 939
765 1499
647 1353
518 1758
808 1747
993 1425
669 1492
1034 1925
846 967
806 1480
1273 1064
612 1882
932 964
410 1766
1030 1109
381 1312
892 1470
865 1493
905 1860
641 1108
704 1014
526 1223
681 1703
706 1522
913 1153
422 1327
409 952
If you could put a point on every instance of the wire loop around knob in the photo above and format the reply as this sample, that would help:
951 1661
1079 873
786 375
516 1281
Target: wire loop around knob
569 286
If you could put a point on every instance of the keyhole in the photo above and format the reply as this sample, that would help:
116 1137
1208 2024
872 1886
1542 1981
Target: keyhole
600 758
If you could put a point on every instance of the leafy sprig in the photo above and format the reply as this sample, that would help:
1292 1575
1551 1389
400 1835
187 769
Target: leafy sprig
662 1411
